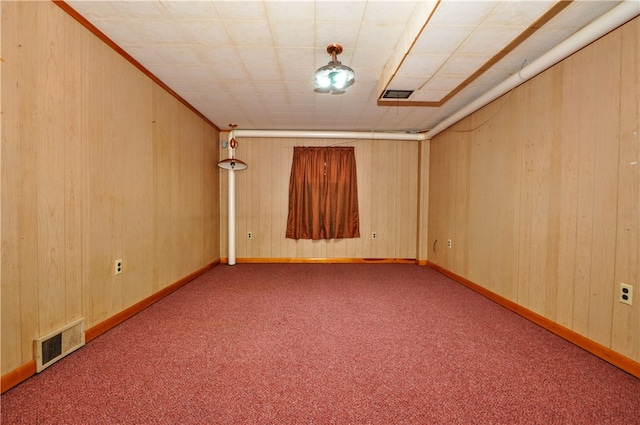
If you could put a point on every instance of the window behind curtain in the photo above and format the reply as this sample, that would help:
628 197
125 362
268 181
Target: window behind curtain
323 194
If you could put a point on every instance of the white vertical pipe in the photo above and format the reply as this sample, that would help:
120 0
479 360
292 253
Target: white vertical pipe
232 206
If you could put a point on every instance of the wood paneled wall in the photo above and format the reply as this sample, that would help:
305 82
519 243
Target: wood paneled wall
387 193
539 193
98 163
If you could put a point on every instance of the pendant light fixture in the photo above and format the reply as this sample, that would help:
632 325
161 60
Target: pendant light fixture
334 77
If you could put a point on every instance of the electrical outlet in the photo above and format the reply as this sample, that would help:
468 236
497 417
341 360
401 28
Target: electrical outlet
626 293
249 235
118 267
448 243
374 235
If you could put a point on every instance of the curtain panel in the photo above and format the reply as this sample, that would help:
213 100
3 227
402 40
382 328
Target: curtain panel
323 194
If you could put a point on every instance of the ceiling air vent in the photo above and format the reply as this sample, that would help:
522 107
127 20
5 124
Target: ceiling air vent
397 94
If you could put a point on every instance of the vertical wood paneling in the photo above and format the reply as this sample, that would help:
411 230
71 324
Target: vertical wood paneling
491 199
26 80
384 161
585 200
537 290
387 188
568 205
183 174
50 164
86 178
10 180
447 194
552 211
364 158
422 234
551 246
136 155
266 166
210 196
625 326
606 156
99 244
73 172
525 204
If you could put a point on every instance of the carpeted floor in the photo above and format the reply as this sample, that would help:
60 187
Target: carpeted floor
326 344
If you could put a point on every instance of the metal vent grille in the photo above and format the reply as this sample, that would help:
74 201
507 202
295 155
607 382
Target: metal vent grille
54 346
397 94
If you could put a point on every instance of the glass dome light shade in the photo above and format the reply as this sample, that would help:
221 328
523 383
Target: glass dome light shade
334 77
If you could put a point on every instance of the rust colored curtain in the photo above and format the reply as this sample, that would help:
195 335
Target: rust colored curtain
323 194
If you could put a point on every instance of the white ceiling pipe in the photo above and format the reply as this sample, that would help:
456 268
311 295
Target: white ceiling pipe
611 20
370 135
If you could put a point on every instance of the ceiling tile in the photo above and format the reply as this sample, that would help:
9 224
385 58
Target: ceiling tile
429 95
380 12
298 75
231 73
191 9
489 40
581 12
297 57
444 83
265 73
179 55
421 65
331 32
460 64
441 39
286 12
340 11
196 73
241 10
369 58
299 35
366 76
241 86
453 13
155 31
383 36
517 13
219 55
258 57
141 9
250 33
207 32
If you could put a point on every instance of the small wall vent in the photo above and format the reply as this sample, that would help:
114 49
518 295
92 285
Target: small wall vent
54 346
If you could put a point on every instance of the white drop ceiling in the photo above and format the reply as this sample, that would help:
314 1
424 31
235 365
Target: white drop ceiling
252 62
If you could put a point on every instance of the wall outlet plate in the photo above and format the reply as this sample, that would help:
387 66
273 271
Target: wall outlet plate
626 293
